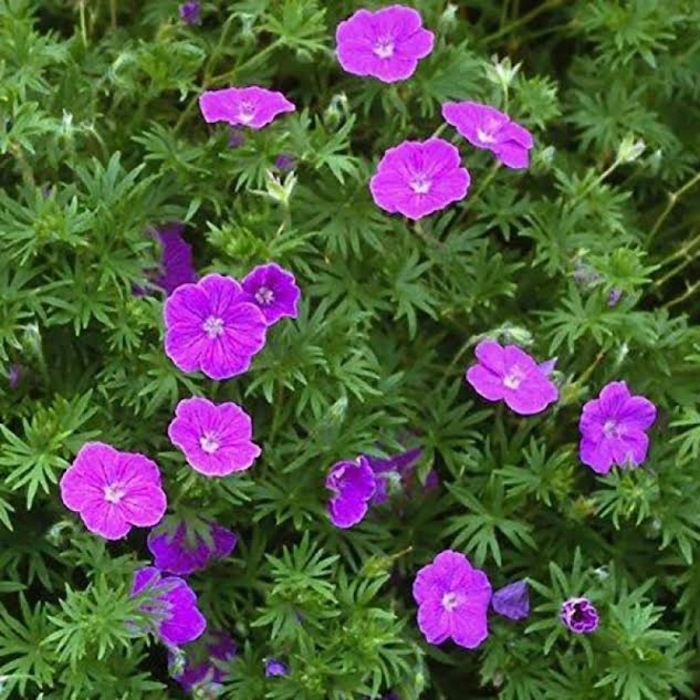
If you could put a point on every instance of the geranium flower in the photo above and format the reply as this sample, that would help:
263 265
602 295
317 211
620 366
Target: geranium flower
275 667
386 44
352 485
190 12
273 290
399 467
113 490
613 429
453 600
510 374
209 327
204 660
215 438
254 107
512 601
176 267
486 127
417 178
579 615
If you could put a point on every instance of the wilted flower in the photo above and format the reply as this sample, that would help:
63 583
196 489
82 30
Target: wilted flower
512 601
353 485
14 375
176 267
204 660
254 107
579 615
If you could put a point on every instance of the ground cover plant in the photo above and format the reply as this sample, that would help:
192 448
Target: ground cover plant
349 350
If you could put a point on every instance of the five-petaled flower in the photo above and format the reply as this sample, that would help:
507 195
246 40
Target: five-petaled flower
216 439
453 600
204 662
417 178
579 615
510 374
113 490
352 485
210 327
254 107
273 290
386 44
613 429
171 604
512 601
486 127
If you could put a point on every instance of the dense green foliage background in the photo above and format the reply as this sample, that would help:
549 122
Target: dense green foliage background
101 138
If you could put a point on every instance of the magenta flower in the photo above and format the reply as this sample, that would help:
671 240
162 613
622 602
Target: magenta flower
179 548
210 327
216 439
453 600
486 127
113 490
417 178
353 485
176 259
204 661
254 107
512 601
612 429
510 374
386 44
273 290
275 667
172 605
579 615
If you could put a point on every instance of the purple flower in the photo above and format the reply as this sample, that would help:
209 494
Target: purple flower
14 375
216 439
254 107
579 615
510 374
236 137
547 367
204 660
285 162
176 259
210 327
190 12
353 485
386 44
612 429
275 667
512 601
486 127
453 599
614 296
273 290
113 490
417 178
172 604
179 548
399 467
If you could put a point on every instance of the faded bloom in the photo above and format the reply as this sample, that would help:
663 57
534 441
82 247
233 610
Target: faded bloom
386 44
113 491
181 547
273 290
512 601
614 296
210 327
176 267
613 429
453 600
579 615
510 374
172 605
417 178
254 107
398 468
486 127
204 660
190 12
285 162
352 485
275 667
236 137
216 439
14 375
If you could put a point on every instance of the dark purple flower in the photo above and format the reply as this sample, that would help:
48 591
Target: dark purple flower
275 667
179 548
14 375
204 661
176 267
273 290
579 615
190 12
512 601
353 485
285 162
399 468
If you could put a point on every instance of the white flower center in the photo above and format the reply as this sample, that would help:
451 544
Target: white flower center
246 112
450 601
209 443
421 184
485 136
610 429
384 47
264 296
513 378
213 326
113 493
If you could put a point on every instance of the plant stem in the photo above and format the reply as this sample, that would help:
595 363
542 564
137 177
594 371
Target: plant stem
527 17
673 198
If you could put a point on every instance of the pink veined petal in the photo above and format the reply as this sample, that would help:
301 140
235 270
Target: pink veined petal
270 107
431 582
596 455
396 21
227 460
613 398
137 469
76 492
418 45
513 355
513 155
105 519
233 424
388 189
185 346
486 383
637 412
532 396
517 133
184 435
629 449
144 505
185 622
473 582
218 105
221 293
186 306
468 625
395 69
434 621
452 187
346 512
492 355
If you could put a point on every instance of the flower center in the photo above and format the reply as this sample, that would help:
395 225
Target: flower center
513 378
421 184
209 443
246 112
264 296
383 47
213 326
610 429
113 493
485 136
450 601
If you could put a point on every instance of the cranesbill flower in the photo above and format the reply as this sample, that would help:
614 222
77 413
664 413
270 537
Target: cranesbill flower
273 290
113 490
179 547
275 667
386 44
579 615
486 127
417 178
353 485
204 660
512 601
209 327
399 467
176 259
510 374
453 600
190 12
216 439
254 107
172 605
613 429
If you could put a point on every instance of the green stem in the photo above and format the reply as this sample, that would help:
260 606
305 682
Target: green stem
690 290
673 198
83 23
439 130
418 228
486 181
525 19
